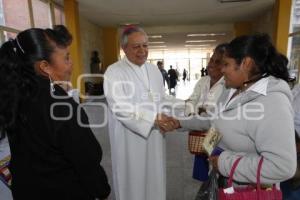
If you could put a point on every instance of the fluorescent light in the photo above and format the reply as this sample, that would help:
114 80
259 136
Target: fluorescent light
129 23
196 45
195 48
158 49
154 36
196 41
230 1
205 34
163 46
158 42
198 49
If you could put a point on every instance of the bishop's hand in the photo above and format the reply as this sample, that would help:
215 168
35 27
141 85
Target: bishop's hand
166 123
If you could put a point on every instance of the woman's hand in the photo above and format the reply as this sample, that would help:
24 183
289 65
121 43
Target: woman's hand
166 123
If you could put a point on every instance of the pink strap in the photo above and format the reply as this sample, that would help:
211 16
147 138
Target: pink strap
234 166
258 173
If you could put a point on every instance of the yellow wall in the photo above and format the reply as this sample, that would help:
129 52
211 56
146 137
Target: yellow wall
264 23
242 28
72 23
111 47
282 12
280 22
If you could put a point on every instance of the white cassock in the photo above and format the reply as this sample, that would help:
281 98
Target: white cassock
138 149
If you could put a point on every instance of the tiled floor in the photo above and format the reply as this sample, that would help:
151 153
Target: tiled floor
180 185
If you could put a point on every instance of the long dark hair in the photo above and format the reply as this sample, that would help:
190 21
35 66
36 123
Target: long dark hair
17 73
260 48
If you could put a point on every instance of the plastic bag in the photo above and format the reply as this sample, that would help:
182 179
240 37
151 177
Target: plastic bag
209 188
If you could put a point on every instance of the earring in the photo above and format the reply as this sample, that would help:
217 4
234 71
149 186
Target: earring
51 84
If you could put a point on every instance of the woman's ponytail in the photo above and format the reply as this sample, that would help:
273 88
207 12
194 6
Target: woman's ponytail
10 76
16 82
276 64
18 78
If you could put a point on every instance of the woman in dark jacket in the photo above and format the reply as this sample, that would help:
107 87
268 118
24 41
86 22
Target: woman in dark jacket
52 155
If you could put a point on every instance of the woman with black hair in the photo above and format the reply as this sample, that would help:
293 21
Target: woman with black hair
256 117
52 156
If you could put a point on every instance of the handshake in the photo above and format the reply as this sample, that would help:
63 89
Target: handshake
166 123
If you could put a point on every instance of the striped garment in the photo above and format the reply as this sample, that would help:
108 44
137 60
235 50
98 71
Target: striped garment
5 175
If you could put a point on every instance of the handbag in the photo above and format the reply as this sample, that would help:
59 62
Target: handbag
195 142
250 192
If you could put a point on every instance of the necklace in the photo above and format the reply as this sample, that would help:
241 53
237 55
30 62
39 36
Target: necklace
149 93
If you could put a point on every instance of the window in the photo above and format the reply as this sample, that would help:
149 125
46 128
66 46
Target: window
6 35
294 41
9 35
192 60
59 15
41 14
15 14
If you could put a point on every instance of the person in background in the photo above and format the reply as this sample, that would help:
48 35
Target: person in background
296 108
177 73
291 187
134 89
209 88
163 72
184 75
204 99
172 80
206 72
95 63
256 116
203 73
52 156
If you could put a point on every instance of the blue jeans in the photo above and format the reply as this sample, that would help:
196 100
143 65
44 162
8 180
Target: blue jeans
288 192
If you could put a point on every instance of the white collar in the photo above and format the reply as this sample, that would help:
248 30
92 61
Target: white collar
260 86
132 64
220 81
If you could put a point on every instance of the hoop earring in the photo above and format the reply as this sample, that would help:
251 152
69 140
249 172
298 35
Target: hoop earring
51 84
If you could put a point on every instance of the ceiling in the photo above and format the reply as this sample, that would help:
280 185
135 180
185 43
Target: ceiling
174 19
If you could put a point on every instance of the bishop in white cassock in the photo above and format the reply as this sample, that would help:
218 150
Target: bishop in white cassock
134 89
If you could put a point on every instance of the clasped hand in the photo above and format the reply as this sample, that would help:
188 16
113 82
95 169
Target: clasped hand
166 123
